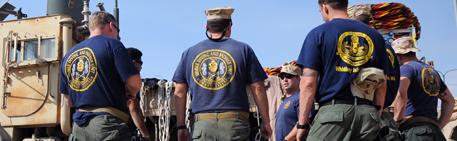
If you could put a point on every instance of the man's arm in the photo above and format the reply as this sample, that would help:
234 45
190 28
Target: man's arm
133 85
137 116
401 99
67 99
308 87
292 134
260 97
447 107
380 95
180 106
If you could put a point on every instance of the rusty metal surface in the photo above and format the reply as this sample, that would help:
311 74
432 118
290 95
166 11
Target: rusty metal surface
32 97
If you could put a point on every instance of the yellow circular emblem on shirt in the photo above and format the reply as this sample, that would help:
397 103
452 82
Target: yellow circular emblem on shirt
287 105
431 81
391 57
355 48
213 69
81 69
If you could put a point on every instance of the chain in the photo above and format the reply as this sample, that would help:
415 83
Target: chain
164 109
189 99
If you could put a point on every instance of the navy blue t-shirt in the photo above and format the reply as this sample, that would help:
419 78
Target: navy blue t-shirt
288 114
338 50
393 76
93 74
424 89
217 73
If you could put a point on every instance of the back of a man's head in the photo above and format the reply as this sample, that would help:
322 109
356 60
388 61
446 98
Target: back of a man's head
218 25
99 19
335 4
134 53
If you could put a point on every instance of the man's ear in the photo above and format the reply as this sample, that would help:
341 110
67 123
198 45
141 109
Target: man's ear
206 27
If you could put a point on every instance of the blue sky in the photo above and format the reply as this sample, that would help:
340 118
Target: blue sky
162 30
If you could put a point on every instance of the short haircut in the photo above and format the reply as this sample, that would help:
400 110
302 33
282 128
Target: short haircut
364 18
410 54
218 25
99 19
134 53
335 4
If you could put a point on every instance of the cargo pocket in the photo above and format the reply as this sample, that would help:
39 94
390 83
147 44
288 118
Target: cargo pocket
423 131
240 133
196 135
331 117
375 117
104 136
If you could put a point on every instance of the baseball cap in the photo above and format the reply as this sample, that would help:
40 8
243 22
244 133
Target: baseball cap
404 45
219 13
290 69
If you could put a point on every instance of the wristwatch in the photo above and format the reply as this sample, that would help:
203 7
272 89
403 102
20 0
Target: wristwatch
306 126
181 127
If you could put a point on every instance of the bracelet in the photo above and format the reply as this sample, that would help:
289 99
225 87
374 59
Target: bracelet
179 127
399 120
305 126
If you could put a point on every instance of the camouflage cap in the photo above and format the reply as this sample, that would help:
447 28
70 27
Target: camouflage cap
404 45
290 69
219 13
355 11
366 82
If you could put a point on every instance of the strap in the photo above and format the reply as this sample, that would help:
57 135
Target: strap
111 110
417 120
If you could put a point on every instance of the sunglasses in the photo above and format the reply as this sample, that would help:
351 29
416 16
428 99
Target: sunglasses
118 30
288 76
139 61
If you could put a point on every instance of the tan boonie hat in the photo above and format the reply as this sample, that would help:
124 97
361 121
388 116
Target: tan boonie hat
366 82
355 11
290 69
219 13
404 45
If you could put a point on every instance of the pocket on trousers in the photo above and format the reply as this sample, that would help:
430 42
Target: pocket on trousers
423 131
240 132
111 135
375 117
331 117
197 134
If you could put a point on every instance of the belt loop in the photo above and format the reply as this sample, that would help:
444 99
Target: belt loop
215 114
355 101
238 115
333 102
196 117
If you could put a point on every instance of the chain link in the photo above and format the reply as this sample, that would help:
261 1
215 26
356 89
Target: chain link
164 109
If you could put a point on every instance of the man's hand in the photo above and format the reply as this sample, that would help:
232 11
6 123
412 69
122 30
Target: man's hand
265 129
183 135
302 134
404 119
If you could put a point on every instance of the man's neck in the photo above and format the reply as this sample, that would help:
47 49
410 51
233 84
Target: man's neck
410 60
291 92
218 35
339 14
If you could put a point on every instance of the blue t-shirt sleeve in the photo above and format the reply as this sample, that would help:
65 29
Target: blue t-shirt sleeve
443 86
124 63
310 55
384 60
180 71
407 71
254 68
63 82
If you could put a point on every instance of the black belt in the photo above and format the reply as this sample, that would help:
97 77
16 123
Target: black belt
351 101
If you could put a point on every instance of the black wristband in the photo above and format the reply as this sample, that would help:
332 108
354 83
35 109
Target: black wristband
306 126
181 127
399 120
